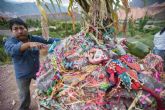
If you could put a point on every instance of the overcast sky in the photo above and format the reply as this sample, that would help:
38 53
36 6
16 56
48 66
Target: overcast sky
65 2
31 0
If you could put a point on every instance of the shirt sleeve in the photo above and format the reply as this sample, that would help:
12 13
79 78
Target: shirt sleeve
13 48
49 41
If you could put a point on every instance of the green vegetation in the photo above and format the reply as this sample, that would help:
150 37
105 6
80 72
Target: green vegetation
4 24
146 38
131 27
4 58
60 29
143 22
144 30
33 23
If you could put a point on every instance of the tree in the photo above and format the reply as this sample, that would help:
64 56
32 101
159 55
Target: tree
94 12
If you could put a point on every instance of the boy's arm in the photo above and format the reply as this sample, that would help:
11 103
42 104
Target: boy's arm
28 45
49 41
13 48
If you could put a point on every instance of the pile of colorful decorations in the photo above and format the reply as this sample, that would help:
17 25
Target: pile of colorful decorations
84 73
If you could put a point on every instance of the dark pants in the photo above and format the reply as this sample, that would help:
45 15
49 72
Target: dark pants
24 93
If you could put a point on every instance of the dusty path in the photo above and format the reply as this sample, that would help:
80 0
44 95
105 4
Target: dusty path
8 90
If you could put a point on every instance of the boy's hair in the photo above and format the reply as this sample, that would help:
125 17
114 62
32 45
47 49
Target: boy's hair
17 21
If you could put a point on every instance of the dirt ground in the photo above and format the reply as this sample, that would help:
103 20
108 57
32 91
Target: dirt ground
9 99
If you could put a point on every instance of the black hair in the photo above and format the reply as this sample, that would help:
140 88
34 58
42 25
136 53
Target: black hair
18 21
162 30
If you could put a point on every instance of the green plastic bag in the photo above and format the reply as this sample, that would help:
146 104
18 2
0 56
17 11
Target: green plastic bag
137 49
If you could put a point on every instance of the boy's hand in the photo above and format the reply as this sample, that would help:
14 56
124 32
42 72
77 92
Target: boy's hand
37 45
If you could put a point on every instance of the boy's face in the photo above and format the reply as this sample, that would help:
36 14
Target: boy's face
20 32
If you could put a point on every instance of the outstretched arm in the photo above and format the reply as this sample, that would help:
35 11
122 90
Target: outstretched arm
28 45
17 48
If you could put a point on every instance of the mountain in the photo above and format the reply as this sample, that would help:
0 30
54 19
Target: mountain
140 3
27 8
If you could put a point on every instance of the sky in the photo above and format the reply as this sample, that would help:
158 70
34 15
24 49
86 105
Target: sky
20 0
32 0
65 2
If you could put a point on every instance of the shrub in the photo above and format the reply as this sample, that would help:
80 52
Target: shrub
4 24
142 22
33 23
4 58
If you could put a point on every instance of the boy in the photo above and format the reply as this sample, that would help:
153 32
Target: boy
24 50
